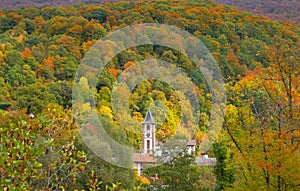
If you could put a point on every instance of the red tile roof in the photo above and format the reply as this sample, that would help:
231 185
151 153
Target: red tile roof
143 157
191 143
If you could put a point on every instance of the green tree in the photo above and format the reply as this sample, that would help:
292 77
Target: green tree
62 91
6 23
34 97
178 173
98 14
19 152
224 174
30 26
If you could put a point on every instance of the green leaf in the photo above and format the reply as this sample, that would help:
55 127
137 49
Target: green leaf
17 145
16 162
37 164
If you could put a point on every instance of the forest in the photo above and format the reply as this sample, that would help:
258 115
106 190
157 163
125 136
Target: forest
283 10
276 9
41 49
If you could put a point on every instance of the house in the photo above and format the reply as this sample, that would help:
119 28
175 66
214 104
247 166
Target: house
191 147
151 148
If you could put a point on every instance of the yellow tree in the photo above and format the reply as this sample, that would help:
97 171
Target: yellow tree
262 123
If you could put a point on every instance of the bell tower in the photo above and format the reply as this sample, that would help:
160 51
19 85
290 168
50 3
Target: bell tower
148 134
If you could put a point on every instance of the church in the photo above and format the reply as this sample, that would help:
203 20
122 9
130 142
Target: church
150 146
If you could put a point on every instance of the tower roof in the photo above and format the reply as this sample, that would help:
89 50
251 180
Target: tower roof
148 118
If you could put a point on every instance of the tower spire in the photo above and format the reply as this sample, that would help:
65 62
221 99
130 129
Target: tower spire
148 133
148 118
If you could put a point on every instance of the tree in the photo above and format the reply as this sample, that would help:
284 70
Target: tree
19 163
62 91
222 170
6 23
34 97
258 124
98 14
30 26
178 173
34 156
93 31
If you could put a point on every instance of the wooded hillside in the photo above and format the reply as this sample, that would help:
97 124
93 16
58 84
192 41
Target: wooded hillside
41 49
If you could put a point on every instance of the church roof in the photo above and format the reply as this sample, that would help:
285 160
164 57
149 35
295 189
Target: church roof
143 158
148 118
192 143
